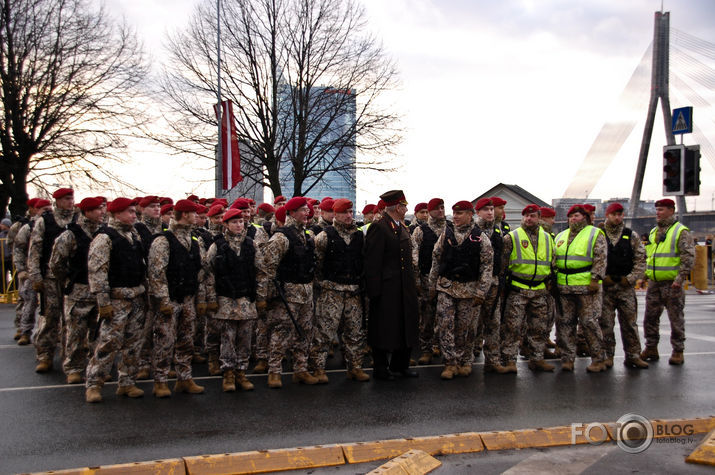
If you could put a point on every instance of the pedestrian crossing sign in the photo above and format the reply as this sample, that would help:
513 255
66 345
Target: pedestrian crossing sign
682 120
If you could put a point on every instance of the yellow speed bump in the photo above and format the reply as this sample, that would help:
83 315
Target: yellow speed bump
412 462
545 437
663 428
705 452
157 467
258 461
360 452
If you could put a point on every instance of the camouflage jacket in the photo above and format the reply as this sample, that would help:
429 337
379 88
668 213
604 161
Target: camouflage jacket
488 229
20 247
436 225
63 251
98 266
614 235
34 255
159 261
463 290
228 308
273 253
321 246
153 224
12 233
598 268
686 248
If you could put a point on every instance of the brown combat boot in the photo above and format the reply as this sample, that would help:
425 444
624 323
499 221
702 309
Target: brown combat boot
198 358
229 381
596 366
551 355
43 366
550 343
540 365
567 366
448 372
23 340
74 378
608 362
188 386
143 374
214 365
425 358
304 377
650 353
129 391
358 375
18 335
241 379
676 358
464 370
161 390
320 375
274 380
436 352
261 367
496 368
93 394
510 367
172 373
635 362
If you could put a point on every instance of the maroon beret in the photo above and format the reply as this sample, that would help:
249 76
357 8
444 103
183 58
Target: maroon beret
589 208
89 204
614 208
41 203
186 206
380 205
221 201
482 202
281 214
266 208
577 208
147 200
202 201
278 199
31 202
231 214
166 201
62 192
666 203
463 206
167 208
547 212
496 201
241 203
420 207
120 204
434 203
295 203
342 205
532 208
201 209
327 204
369 209
215 209
192 198
104 200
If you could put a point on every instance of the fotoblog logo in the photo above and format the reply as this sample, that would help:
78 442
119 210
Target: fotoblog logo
634 433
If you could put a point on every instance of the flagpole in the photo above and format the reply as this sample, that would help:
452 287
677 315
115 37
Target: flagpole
219 149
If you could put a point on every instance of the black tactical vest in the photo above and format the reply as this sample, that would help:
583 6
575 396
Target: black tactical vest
78 263
126 261
343 262
429 239
235 275
267 225
205 236
497 240
52 232
620 256
147 237
461 263
298 265
316 229
182 273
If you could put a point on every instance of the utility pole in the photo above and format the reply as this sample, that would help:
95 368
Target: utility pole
659 90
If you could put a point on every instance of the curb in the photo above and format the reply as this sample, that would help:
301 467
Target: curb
262 461
413 462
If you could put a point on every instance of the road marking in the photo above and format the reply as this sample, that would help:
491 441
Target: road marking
562 462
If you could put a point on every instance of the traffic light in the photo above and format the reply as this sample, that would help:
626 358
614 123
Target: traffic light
691 170
673 157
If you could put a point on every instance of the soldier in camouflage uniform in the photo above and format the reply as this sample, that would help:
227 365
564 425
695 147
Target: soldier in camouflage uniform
339 250
175 275
626 265
529 251
47 228
421 216
212 338
548 217
68 263
424 238
670 258
486 329
11 236
232 264
254 231
289 257
581 264
326 216
461 276
116 274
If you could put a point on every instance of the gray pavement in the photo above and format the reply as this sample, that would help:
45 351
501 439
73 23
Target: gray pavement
47 425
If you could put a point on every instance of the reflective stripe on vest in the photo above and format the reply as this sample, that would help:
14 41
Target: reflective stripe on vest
527 265
663 259
576 255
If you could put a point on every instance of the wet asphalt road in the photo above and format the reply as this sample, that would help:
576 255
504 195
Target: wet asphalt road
47 425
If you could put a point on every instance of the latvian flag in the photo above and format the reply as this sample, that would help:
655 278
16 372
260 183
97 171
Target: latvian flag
231 159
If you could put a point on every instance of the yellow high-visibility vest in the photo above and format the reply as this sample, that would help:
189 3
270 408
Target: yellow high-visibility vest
574 260
663 258
529 269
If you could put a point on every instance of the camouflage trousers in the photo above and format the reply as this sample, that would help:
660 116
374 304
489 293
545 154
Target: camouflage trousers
284 336
174 340
427 308
662 295
120 333
526 312
262 339
485 333
48 331
578 310
338 311
623 300
456 319
236 338
200 332
19 305
212 335
80 333
29 307
145 355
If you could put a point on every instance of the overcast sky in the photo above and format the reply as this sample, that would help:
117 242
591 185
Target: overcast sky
492 91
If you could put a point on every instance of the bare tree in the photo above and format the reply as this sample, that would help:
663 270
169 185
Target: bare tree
69 79
307 81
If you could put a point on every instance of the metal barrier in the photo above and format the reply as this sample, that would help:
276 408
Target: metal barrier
9 287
